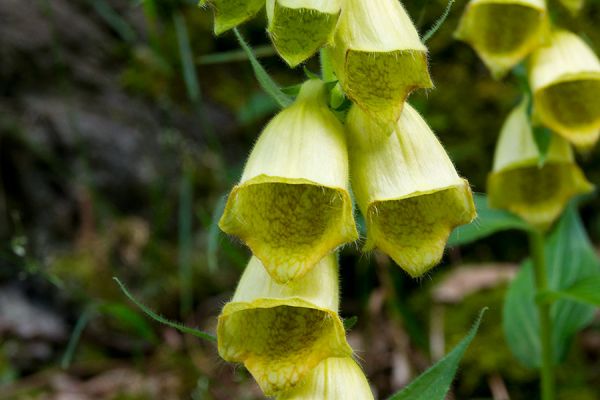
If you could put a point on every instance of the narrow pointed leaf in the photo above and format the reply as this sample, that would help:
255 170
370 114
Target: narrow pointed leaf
586 291
434 383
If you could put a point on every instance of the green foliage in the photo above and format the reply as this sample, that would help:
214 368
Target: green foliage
586 290
434 383
266 82
571 258
488 221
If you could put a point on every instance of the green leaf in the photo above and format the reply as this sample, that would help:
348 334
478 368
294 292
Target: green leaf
129 319
488 221
350 322
180 327
434 383
585 291
266 82
570 258
543 138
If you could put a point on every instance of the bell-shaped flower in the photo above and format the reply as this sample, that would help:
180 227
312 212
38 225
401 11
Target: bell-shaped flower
503 32
299 28
519 183
565 79
574 6
407 188
292 205
282 332
334 378
230 13
378 57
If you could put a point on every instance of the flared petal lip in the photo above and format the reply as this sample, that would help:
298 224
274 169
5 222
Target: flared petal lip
570 77
463 183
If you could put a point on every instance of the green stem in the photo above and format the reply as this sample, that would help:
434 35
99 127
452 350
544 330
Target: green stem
326 65
536 244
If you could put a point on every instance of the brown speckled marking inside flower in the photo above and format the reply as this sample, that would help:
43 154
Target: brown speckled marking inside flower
379 83
280 345
538 195
571 106
298 33
289 227
414 230
230 13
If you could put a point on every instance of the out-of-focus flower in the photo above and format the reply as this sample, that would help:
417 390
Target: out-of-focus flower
565 80
407 189
503 32
378 57
292 205
518 183
299 28
574 6
282 332
333 378
231 13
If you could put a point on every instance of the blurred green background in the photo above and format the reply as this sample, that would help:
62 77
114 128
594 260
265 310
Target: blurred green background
121 131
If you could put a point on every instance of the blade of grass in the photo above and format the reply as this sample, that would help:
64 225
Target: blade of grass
75 336
235 55
180 327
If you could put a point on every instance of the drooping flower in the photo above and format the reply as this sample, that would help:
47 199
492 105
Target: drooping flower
333 378
565 80
230 13
282 332
503 32
407 188
299 28
378 57
520 184
292 205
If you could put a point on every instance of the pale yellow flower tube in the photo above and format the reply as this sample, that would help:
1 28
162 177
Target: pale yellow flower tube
407 188
299 28
503 32
335 379
518 183
378 57
282 332
292 206
565 79
230 13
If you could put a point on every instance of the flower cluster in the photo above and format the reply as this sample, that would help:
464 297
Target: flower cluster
294 204
564 80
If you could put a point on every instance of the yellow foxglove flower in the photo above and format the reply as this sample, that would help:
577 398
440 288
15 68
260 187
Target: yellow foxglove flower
282 332
565 80
518 183
292 205
299 28
503 32
378 57
231 13
334 378
407 189
574 6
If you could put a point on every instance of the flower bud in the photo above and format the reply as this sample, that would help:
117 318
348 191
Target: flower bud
565 80
518 183
282 332
378 57
299 28
407 189
503 32
231 13
292 205
334 378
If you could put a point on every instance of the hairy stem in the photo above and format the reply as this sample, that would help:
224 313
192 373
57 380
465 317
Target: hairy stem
536 244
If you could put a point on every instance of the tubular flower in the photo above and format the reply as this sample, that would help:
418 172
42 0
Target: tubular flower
333 378
231 13
503 32
292 205
282 332
299 28
565 80
378 57
574 6
407 189
518 183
